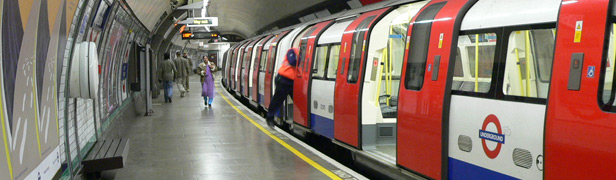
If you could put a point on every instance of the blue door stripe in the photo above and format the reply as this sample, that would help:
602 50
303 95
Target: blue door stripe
322 125
460 170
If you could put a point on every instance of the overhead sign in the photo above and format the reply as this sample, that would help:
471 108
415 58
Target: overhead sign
206 21
200 35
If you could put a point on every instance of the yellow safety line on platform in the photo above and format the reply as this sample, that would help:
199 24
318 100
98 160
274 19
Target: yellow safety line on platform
36 120
4 138
284 144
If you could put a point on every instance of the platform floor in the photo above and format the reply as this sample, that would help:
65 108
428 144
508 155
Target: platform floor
186 140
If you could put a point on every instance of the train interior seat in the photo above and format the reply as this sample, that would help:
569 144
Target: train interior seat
389 110
469 86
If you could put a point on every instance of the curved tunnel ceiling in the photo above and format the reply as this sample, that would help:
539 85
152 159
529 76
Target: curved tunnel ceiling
149 11
245 17
238 17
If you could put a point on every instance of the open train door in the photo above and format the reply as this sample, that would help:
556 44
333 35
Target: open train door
301 85
258 69
239 68
430 38
233 67
580 121
228 65
269 72
349 80
246 67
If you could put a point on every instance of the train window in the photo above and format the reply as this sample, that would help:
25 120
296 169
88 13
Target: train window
303 45
418 51
475 49
332 63
357 49
543 46
262 61
607 94
458 71
320 60
485 60
272 60
245 60
529 62
397 43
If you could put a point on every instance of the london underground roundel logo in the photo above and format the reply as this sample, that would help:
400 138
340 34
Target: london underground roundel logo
497 137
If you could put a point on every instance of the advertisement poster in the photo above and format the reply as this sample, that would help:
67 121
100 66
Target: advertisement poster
33 37
101 15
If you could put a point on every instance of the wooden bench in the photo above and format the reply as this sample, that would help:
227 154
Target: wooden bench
105 155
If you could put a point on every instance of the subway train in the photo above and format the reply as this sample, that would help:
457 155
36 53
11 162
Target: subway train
450 89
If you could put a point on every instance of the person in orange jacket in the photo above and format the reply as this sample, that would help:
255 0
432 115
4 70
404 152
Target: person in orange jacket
284 84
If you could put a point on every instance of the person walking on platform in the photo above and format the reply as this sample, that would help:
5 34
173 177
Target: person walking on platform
284 84
207 81
167 73
190 67
182 65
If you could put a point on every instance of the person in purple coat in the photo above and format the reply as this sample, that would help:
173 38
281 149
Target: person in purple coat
207 81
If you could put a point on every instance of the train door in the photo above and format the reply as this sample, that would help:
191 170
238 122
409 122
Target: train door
232 66
323 77
499 90
382 78
301 85
292 40
422 87
236 63
225 58
347 101
250 69
242 67
580 126
258 70
246 67
269 73
229 64
238 68
229 69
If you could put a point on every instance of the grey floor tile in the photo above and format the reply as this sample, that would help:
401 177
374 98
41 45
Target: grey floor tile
185 140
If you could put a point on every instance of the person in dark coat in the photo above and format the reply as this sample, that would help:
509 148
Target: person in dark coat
190 67
167 73
182 74
284 84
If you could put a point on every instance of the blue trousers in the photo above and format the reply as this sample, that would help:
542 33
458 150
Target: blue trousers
208 100
168 86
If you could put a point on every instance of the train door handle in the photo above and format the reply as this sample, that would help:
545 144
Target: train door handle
575 71
437 61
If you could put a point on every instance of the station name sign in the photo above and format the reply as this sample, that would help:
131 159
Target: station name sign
205 21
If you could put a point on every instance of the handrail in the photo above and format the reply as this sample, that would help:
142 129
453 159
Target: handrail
387 59
528 61
378 86
476 62
517 56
